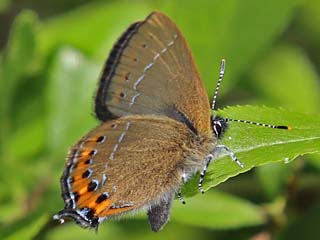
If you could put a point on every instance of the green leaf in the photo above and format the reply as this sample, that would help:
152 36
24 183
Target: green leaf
14 63
91 26
274 177
314 160
72 83
307 23
288 67
306 227
14 66
21 46
132 229
25 228
255 146
218 210
236 30
4 5
19 106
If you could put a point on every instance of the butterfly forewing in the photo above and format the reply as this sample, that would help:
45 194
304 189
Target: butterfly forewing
151 71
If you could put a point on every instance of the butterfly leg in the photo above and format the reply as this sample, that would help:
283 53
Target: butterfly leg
231 154
158 215
180 197
184 180
209 159
203 172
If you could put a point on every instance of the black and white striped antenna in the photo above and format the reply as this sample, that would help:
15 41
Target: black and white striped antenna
221 75
259 124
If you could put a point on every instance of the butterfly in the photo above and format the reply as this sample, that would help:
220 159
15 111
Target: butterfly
156 131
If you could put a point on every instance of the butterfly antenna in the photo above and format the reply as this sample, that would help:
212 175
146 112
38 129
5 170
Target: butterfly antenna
221 75
259 124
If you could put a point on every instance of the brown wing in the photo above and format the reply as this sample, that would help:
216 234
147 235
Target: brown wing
125 164
151 71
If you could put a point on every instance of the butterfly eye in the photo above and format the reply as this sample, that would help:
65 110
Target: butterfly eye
217 128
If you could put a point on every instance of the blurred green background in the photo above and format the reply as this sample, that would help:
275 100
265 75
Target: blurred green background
51 56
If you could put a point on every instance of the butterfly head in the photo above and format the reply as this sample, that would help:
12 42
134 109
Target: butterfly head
219 126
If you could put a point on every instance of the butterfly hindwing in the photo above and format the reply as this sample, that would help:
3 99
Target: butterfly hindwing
127 163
